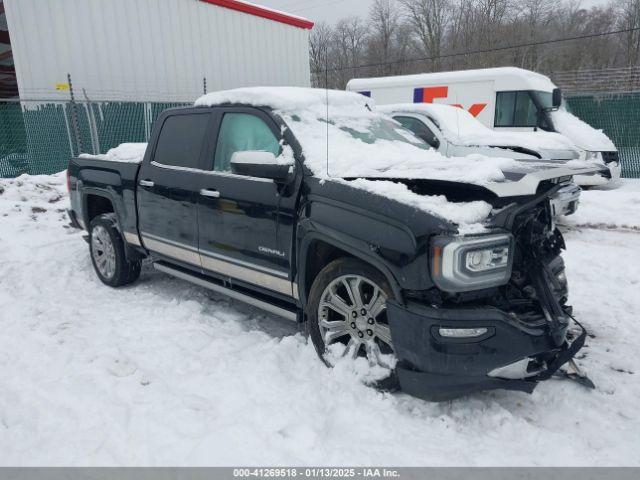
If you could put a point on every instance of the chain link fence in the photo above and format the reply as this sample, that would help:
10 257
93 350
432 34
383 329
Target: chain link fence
39 137
618 115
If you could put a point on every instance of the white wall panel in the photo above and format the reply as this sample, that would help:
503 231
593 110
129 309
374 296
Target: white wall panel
149 50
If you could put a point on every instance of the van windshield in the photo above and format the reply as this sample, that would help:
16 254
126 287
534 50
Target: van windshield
544 98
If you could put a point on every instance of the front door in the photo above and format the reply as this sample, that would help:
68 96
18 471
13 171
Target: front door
168 188
246 223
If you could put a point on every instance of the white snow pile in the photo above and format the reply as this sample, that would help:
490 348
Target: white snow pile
613 209
583 134
461 128
163 373
125 152
361 142
468 215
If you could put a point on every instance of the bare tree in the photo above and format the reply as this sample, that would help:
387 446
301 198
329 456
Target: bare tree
319 42
383 22
459 34
629 18
428 21
349 46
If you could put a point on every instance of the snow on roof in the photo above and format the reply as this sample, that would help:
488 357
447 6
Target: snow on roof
506 78
126 152
362 142
583 134
461 128
263 12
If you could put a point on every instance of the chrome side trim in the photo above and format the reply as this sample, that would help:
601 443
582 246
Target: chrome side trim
247 274
210 172
288 314
252 266
132 238
172 251
238 269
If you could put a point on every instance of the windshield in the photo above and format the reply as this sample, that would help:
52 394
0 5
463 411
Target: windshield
380 129
523 108
544 99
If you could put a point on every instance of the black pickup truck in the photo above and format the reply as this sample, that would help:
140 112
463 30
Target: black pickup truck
226 197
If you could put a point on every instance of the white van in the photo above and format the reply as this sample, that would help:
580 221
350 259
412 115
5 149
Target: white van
505 98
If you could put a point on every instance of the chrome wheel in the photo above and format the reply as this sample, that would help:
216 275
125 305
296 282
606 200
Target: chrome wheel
103 252
352 311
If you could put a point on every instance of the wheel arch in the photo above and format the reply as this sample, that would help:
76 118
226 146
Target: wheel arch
318 250
96 202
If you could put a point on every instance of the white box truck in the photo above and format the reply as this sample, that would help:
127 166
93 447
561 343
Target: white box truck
506 98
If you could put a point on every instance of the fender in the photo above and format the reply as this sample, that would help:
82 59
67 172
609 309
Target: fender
344 243
86 191
132 252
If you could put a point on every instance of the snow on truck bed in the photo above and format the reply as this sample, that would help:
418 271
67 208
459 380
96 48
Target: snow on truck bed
165 373
125 152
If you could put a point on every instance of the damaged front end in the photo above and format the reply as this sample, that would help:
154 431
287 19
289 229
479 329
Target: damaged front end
451 341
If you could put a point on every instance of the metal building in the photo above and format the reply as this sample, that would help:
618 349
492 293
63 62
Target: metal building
150 50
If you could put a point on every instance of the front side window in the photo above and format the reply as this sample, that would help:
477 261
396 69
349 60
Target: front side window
420 130
515 109
181 139
241 132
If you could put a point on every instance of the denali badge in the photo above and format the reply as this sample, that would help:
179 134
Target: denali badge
271 251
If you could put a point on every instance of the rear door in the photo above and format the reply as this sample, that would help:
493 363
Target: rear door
169 184
246 223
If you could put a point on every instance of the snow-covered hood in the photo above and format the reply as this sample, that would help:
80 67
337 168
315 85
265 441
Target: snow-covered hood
459 127
581 133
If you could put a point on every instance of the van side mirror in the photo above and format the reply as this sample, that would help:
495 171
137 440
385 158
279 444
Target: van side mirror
259 164
556 98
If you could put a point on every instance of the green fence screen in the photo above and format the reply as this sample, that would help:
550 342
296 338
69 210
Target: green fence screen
39 137
618 115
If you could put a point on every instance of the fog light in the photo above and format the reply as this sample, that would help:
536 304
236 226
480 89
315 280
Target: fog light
462 332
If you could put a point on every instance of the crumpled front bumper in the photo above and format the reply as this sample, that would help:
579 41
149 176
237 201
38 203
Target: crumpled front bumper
437 368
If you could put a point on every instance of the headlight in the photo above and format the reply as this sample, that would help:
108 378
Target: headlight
460 264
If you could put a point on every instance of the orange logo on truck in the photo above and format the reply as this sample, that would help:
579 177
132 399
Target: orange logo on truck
429 94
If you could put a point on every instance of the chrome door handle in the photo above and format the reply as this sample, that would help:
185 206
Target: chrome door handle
205 192
146 183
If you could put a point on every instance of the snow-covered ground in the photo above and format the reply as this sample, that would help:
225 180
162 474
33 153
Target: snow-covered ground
165 373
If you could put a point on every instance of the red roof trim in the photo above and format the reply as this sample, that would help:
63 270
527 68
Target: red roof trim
263 12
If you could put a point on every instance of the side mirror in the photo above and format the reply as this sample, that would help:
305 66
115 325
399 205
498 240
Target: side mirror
556 98
259 164
432 140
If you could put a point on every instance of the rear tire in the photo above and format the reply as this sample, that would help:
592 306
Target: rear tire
347 304
108 256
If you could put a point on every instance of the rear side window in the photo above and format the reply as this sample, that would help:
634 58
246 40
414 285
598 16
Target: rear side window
241 132
181 140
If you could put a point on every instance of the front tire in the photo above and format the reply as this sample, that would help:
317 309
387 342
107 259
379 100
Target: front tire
347 305
108 253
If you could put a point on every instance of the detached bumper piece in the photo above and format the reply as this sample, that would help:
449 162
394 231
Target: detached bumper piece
492 350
